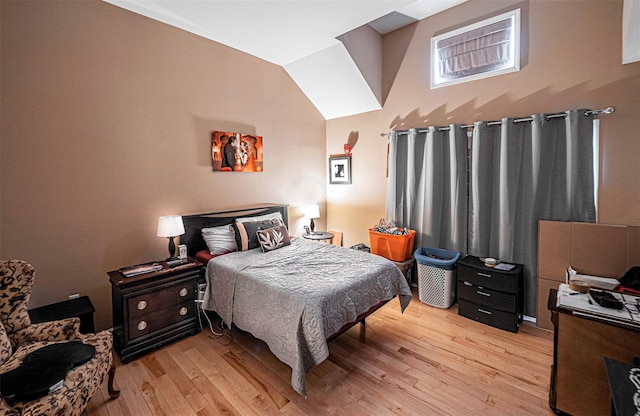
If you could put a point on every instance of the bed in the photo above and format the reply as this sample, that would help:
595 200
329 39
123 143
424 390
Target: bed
295 297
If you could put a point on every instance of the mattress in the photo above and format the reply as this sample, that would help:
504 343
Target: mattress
295 297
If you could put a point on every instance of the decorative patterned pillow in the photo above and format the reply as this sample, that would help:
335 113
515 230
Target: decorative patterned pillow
273 238
246 237
220 240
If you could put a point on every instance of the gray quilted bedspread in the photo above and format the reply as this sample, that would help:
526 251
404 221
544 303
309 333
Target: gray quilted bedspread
294 297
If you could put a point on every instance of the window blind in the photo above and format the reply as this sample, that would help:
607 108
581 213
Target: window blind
479 50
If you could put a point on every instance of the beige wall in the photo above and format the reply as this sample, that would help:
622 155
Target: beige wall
106 120
572 59
106 117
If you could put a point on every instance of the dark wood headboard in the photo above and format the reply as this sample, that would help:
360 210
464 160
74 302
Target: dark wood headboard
193 224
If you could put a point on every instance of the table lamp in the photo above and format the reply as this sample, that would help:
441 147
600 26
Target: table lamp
171 226
313 211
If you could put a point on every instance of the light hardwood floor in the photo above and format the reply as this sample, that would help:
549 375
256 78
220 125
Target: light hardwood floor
427 361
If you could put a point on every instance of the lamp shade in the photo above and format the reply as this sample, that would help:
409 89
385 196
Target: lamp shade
170 226
313 211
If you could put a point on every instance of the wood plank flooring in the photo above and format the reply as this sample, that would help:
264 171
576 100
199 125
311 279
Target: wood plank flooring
427 361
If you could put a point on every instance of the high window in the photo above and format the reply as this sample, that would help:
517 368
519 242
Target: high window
487 48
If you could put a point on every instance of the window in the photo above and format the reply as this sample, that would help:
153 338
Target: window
487 48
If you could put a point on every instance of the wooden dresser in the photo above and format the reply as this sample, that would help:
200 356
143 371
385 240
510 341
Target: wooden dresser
154 308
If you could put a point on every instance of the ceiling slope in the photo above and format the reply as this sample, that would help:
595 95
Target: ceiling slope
300 35
332 81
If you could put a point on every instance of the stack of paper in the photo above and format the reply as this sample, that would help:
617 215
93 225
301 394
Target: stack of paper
605 283
584 303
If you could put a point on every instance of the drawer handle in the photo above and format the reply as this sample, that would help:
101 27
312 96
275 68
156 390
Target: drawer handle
141 305
142 325
483 293
484 311
467 283
183 292
484 274
183 311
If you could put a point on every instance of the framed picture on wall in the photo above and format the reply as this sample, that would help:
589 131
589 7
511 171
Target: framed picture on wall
236 152
339 169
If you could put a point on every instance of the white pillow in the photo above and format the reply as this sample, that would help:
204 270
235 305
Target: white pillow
220 240
272 216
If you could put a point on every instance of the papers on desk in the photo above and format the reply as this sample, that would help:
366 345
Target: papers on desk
583 303
605 283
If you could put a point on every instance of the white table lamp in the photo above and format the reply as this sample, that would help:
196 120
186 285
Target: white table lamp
170 226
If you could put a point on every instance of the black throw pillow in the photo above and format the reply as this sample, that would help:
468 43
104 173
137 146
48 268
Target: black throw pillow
43 370
246 232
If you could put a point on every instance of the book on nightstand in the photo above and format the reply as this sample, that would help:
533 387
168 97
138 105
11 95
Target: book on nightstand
138 269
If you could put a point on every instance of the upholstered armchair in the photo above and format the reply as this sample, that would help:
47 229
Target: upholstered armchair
19 337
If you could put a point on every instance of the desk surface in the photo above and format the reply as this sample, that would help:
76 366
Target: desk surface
552 306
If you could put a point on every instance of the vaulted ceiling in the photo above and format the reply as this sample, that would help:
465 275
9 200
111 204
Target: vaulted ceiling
322 44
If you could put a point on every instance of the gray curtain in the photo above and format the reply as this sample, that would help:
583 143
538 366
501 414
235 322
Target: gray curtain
427 187
522 172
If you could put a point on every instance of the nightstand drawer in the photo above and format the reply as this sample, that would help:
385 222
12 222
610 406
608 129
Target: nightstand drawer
507 302
160 319
147 303
488 277
489 316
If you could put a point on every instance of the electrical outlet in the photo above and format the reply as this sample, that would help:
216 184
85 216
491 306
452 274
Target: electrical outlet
202 287
74 296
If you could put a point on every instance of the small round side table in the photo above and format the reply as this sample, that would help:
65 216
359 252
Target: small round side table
319 236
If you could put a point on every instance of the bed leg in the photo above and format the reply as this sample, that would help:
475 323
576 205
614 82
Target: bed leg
363 331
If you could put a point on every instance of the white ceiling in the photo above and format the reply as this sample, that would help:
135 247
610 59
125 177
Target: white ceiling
299 35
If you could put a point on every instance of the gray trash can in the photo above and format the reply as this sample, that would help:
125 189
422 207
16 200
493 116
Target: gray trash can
436 276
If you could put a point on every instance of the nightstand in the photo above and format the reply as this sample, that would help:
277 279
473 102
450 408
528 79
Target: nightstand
154 308
319 236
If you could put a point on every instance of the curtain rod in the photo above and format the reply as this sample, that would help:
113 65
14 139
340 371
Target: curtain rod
588 113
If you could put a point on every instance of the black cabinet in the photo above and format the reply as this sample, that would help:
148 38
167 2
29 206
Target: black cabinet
80 307
490 296
153 309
